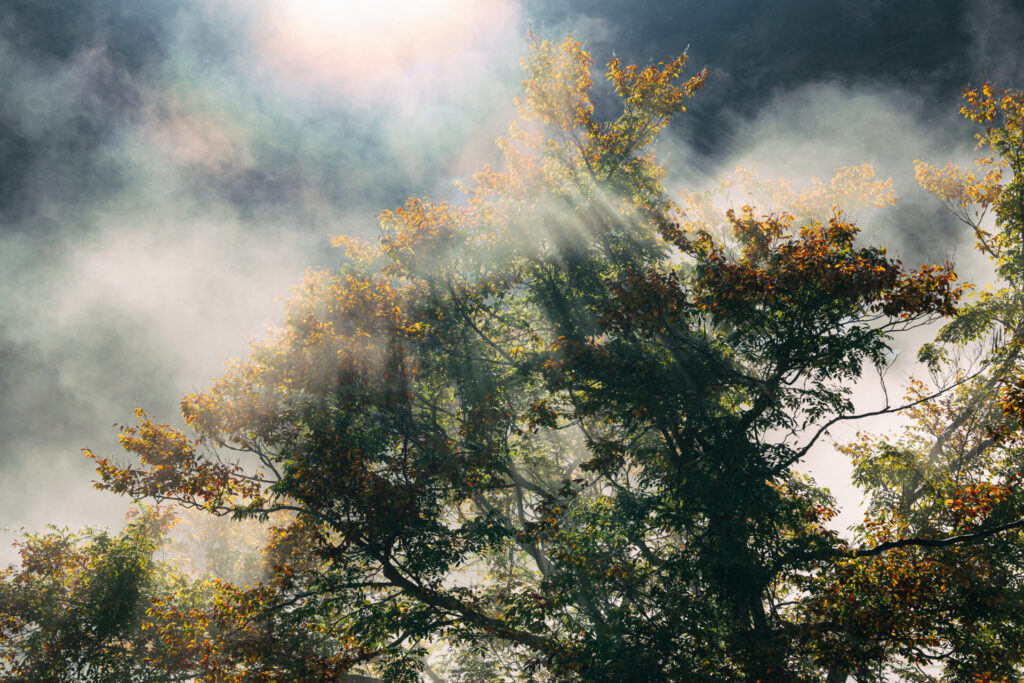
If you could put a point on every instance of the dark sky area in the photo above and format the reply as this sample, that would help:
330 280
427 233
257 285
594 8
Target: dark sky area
168 168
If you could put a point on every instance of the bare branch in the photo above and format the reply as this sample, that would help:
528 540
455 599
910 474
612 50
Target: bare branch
962 539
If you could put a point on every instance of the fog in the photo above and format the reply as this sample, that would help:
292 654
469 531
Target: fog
168 169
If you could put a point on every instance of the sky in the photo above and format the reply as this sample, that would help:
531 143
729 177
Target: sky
169 169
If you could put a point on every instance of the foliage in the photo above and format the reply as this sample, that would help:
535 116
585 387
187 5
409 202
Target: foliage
75 609
852 188
555 428
945 497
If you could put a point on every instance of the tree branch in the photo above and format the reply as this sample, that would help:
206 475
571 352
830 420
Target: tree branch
882 411
962 539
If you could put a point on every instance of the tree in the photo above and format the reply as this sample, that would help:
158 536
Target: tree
77 604
556 427
88 606
942 584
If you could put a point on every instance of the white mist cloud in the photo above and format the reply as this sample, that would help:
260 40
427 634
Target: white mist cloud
143 310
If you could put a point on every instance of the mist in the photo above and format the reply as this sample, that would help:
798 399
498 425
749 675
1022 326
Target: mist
168 170
169 173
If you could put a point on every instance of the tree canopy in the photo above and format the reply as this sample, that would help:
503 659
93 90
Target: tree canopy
553 432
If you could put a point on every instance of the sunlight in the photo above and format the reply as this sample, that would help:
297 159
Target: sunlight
367 46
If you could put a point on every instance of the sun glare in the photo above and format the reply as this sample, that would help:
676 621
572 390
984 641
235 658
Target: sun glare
367 45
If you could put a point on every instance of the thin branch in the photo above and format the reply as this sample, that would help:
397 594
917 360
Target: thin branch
962 539
882 411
